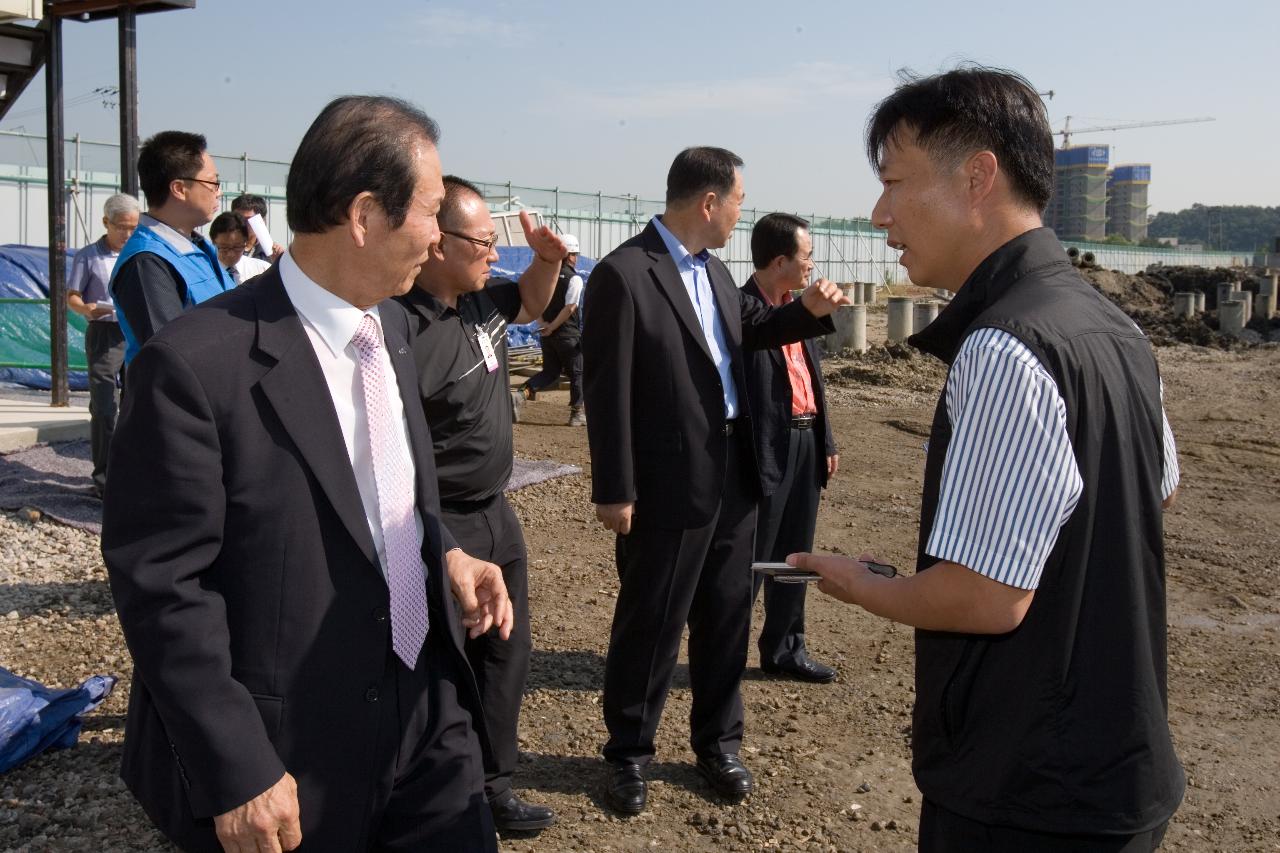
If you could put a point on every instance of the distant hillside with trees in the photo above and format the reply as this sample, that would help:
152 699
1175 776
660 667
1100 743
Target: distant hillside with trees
1244 228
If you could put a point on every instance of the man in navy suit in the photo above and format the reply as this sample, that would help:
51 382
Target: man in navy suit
673 468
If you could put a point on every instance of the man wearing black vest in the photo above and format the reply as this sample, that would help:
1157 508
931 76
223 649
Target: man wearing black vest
1039 593
561 330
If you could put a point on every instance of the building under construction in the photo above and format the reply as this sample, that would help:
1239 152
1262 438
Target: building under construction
1078 208
1127 201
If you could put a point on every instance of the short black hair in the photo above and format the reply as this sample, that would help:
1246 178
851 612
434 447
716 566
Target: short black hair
455 190
228 223
165 158
969 109
774 235
250 202
358 143
700 170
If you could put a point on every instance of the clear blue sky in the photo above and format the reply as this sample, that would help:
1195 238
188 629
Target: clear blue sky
600 95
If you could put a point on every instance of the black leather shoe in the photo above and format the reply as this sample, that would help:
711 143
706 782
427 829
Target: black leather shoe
727 774
626 791
804 669
518 816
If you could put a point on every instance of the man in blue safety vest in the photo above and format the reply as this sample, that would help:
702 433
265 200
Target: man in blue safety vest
167 267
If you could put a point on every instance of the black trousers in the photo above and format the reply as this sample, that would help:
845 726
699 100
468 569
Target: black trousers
944 831
670 577
433 800
104 353
492 532
786 524
561 354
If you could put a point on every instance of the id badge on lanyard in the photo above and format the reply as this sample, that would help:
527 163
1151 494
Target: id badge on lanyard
486 349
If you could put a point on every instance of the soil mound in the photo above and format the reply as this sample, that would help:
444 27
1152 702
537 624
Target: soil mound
1147 297
886 366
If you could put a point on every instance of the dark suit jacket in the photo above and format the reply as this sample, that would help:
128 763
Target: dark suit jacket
653 396
245 575
769 388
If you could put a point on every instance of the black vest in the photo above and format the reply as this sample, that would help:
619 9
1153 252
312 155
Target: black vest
571 328
1062 724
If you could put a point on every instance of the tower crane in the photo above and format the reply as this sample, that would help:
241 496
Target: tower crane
1067 130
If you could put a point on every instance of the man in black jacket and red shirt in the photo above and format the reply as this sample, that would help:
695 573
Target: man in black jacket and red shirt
794 445
1039 594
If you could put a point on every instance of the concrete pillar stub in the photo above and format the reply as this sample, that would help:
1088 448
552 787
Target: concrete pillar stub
900 308
1199 294
1184 304
1245 296
868 293
1231 317
1268 286
844 319
858 331
923 314
1225 289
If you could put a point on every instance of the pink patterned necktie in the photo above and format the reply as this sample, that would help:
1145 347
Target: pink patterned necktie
391 471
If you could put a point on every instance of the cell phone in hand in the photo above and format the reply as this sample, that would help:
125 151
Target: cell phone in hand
783 573
880 568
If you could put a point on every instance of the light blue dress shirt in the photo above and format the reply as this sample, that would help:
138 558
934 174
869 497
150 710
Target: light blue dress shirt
693 272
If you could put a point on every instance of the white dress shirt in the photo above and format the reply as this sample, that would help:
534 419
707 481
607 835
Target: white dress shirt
330 322
248 267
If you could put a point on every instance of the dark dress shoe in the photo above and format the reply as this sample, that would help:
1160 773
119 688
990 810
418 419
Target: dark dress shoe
727 774
518 816
804 669
626 791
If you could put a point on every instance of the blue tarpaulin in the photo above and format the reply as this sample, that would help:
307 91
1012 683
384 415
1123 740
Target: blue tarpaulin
24 328
34 718
512 262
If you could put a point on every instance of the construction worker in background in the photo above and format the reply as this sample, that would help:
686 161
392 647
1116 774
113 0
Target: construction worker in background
561 330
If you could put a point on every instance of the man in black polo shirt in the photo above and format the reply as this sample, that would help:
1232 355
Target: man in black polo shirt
460 319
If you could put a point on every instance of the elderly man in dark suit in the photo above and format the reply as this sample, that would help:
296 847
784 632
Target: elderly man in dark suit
673 467
271 529
794 445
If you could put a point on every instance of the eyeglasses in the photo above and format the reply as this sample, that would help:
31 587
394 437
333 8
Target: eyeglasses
487 245
215 184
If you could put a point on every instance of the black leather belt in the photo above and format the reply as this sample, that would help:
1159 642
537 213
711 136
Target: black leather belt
730 426
803 421
468 507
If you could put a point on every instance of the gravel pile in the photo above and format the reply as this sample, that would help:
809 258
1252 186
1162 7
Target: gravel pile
58 626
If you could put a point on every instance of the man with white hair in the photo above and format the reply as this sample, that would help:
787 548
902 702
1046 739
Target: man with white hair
87 295
561 330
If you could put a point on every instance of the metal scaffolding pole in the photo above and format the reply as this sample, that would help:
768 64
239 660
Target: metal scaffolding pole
128 17
59 394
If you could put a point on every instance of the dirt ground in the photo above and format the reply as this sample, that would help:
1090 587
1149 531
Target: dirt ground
832 762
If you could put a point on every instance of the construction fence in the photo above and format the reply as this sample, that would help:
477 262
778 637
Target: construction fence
844 249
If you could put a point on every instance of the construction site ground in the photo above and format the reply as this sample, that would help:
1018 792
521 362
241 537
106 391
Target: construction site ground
832 762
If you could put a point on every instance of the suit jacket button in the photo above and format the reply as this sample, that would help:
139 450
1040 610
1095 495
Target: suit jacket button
381 613
371 695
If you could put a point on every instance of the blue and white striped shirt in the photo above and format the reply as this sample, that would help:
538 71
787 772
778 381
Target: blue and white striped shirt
1010 479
